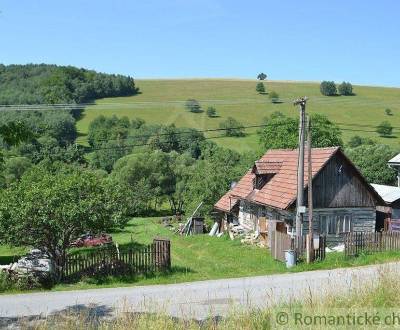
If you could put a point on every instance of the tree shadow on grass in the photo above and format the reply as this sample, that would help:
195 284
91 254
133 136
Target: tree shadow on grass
90 314
6 260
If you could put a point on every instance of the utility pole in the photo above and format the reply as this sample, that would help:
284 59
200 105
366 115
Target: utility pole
310 239
300 209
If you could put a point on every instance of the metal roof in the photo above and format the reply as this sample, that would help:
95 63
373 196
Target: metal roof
395 160
389 194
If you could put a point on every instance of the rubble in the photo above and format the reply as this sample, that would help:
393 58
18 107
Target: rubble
36 261
246 235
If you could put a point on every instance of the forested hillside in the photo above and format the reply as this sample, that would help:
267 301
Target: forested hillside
43 83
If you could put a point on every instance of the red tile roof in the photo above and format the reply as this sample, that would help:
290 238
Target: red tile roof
267 167
280 191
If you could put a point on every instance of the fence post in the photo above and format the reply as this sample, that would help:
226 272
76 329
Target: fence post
162 253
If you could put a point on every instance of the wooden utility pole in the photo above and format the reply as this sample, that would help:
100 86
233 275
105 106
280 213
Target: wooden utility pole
310 238
300 209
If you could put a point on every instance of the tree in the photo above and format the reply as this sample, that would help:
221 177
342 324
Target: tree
171 138
193 105
345 88
384 129
388 112
103 129
48 209
232 127
15 167
42 83
137 123
150 172
15 132
212 176
357 140
281 132
372 162
274 97
211 112
328 88
260 88
262 76
107 153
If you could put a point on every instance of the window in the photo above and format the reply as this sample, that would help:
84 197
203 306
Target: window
335 224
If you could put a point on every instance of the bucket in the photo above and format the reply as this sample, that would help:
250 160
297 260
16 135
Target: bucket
290 258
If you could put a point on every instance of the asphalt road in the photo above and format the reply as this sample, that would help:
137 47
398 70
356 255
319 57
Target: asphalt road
196 299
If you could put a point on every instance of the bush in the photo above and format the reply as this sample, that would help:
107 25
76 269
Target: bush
13 282
274 97
328 88
345 88
356 141
232 127
193 106
388 112
211 112
260 88
384 129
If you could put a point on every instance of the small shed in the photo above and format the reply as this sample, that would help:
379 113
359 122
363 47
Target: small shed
388 217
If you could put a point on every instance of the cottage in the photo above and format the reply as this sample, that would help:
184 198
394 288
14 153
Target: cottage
343 200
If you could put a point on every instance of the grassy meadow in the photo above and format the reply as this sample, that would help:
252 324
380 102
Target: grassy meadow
162 102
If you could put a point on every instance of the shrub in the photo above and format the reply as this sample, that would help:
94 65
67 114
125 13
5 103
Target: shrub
345 88
211 112
193 106
356 141
232 127
274 97
328 88
260 88
388 112
384 129
13 282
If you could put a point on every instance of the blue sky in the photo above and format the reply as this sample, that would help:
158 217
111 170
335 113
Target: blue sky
356 41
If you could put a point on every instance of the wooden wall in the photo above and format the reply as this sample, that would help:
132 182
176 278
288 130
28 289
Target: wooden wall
338 185
363 220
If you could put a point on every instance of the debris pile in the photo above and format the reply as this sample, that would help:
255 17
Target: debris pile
246 235
35 262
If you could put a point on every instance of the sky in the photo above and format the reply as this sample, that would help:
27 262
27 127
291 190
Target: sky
342 40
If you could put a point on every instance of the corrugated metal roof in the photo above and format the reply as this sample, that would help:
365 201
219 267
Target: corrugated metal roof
389 194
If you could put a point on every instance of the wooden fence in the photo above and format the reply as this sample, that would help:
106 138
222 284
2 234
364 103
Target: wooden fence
282 241
279 243
369 242
112 261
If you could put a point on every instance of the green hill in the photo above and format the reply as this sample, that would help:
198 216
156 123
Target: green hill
162 101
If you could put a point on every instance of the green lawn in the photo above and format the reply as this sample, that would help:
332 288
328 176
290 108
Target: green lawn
202 258
162 101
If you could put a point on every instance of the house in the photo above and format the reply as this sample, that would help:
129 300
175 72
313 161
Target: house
395 164
388 217
343 201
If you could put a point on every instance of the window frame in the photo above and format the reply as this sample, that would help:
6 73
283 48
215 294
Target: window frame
335 224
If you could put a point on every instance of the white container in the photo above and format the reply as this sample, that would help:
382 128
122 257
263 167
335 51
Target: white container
290 258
